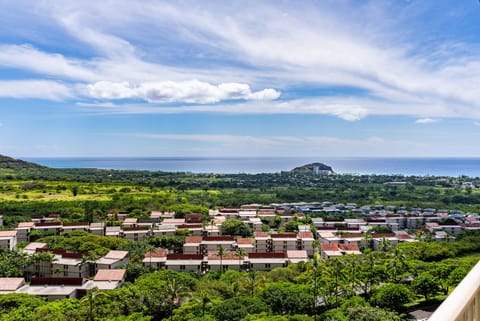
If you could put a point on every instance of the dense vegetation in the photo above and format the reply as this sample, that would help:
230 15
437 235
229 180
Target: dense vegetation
82 194
382 285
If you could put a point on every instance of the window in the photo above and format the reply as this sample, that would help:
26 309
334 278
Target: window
267 265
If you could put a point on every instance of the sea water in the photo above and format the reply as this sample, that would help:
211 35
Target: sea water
344 165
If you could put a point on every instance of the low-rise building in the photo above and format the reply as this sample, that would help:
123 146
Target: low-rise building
109 279
185 262
8 239
155 259
112 260
266 261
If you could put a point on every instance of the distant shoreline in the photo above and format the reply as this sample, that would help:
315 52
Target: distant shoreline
446 166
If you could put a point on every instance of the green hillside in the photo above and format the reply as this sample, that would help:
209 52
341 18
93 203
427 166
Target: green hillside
11 163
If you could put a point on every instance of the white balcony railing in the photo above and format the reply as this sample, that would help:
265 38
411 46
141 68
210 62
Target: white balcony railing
463 304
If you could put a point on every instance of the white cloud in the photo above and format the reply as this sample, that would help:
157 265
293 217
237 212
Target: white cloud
193 91
40 89
426 121
317 44
29 58
343 109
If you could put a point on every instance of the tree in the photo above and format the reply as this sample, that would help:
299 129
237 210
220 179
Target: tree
16 306
235 227
425 284
287 298
176 292
91 298
391 296
367 313
221 253
315 264
237 308
252 281
397 264
240 253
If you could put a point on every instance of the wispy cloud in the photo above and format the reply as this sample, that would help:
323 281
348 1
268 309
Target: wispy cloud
39 89
426 121
316 45
343 109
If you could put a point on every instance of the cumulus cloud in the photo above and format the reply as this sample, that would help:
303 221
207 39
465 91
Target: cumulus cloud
192 91
426 121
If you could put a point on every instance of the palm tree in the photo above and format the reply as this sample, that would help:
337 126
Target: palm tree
91 297
252 281
333 270
315 266
175 292
149 250
385 245
204 299
240 252
397 264
367 244
221 252
352 267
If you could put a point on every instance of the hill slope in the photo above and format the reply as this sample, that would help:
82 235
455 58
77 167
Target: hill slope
314 167
11 163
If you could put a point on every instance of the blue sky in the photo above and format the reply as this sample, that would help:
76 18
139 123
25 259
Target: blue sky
240 78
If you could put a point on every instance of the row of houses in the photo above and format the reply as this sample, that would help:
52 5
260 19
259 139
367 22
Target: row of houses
67 264
57 288
212 261
262 242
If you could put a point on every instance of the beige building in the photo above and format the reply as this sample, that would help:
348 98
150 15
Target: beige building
8 239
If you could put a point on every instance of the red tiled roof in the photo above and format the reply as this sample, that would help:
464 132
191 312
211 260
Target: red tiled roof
139 228
284 235
75 223
351 235
244 240
218 238
305 235
266 255
297 254
8 233
157 253
330 247
184 257
11 284
57 281
382 235
110 275
193 239
260 234
349 247
48 224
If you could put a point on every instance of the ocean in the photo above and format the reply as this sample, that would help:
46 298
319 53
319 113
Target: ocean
348 165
